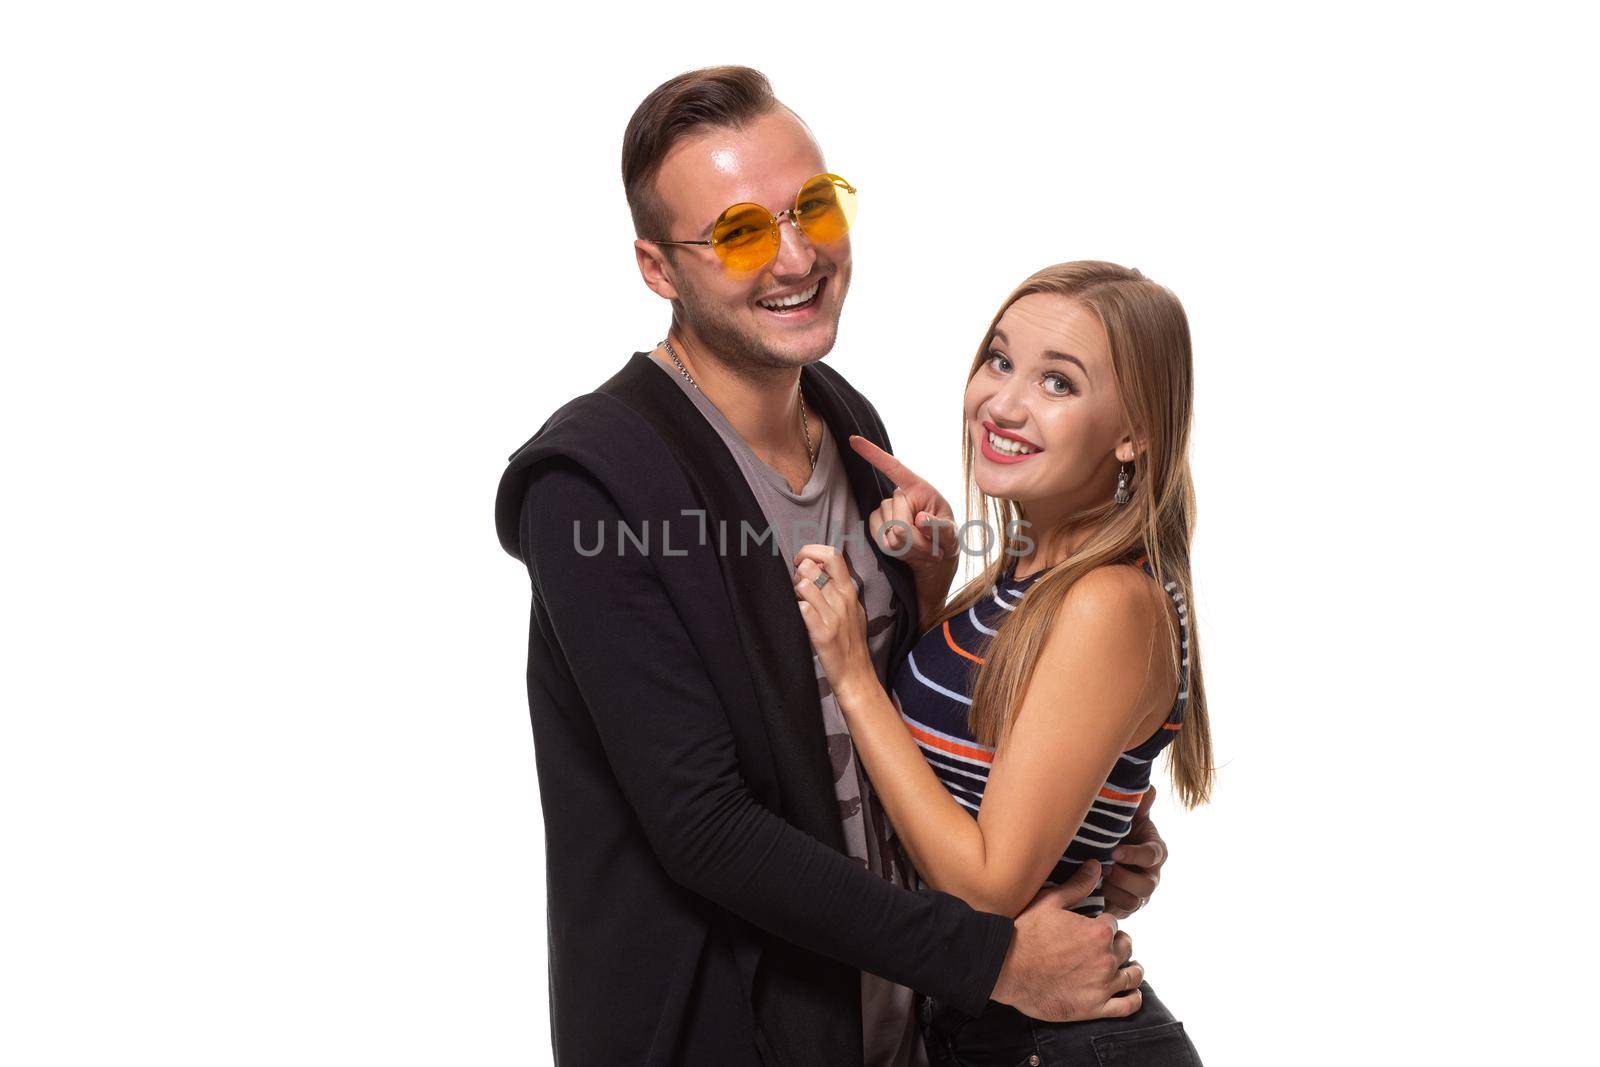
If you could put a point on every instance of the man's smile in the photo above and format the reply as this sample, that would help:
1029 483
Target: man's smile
794 303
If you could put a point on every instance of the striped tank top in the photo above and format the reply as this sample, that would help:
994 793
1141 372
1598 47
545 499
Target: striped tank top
932 691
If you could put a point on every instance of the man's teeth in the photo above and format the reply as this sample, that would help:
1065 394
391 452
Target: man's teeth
791 301
1008 446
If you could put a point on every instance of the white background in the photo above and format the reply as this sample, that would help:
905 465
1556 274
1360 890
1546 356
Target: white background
283 284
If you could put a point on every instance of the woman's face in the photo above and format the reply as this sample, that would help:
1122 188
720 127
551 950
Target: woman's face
1046 389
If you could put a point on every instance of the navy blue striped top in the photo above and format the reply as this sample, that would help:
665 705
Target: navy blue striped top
932 691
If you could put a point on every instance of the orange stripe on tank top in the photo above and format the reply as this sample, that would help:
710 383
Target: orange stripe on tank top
946 745
950 640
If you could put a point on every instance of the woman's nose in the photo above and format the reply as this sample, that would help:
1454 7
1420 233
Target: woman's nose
1007 406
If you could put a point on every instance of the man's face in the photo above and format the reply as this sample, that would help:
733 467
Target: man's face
766 164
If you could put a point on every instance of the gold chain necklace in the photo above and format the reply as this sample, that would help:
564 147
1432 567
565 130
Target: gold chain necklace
805 424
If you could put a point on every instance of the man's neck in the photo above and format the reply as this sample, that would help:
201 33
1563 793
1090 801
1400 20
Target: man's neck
760 403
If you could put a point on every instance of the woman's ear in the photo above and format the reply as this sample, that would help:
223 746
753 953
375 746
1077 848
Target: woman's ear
1131 446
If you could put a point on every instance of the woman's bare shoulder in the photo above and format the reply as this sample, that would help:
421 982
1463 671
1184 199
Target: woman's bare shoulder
1110 602
1110 634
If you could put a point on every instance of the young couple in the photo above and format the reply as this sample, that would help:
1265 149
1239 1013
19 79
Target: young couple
801 806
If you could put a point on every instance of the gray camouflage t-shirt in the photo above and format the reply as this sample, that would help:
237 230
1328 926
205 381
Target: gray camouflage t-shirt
825 512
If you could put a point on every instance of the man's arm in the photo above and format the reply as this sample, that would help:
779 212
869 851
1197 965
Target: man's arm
667 738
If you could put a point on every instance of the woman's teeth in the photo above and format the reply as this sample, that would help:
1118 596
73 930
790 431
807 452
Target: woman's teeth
1009 447
795 300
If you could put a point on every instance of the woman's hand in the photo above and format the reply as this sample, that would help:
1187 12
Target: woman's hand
914 525
835 620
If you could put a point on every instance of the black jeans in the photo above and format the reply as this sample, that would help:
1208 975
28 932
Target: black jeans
1004 1037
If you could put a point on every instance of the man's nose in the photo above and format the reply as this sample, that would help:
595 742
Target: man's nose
795 252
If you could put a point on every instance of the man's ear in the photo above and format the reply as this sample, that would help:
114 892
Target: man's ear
654 269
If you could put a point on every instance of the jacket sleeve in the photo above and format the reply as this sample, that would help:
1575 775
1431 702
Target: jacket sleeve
666 735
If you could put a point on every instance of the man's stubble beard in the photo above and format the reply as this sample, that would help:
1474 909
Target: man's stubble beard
731 342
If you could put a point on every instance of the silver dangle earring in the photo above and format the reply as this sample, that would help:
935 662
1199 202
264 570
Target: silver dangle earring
1123 496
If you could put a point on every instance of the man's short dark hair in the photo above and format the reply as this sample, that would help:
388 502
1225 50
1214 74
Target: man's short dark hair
698 99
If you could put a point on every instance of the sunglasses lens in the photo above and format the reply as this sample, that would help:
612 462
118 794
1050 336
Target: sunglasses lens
826 207
745 237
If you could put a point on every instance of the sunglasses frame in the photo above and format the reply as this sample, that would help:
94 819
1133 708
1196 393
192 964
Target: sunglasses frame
774 220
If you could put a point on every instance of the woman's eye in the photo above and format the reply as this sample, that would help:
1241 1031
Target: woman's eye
1057 385
999 363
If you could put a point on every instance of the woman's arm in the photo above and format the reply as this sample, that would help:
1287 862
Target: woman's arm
1091 692
933 587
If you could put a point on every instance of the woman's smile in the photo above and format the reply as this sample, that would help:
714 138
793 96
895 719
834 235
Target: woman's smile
1000 446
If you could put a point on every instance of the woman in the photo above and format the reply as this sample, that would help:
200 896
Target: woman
1021 730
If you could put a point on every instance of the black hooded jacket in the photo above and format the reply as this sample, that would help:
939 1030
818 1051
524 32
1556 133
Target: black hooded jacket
701 907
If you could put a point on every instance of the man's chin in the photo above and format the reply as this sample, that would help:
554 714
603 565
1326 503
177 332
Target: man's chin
798 350
799 357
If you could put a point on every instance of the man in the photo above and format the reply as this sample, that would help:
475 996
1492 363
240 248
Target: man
722 889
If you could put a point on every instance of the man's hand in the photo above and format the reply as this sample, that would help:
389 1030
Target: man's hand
1064 967
1137 868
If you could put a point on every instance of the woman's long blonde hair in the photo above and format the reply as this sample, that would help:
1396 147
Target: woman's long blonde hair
1148 335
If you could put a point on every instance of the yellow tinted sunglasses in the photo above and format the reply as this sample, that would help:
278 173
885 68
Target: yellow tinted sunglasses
746 236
